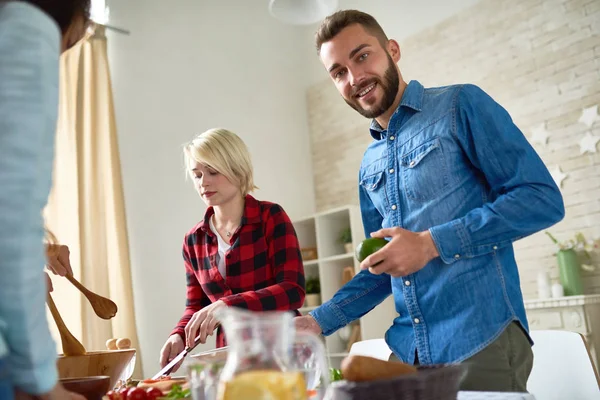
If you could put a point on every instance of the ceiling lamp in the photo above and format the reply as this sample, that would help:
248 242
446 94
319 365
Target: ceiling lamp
302 12
99 12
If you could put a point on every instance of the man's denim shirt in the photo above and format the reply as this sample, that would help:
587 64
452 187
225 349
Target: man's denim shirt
452 162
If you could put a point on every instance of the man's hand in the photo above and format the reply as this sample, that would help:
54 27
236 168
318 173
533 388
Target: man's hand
307 323
406 253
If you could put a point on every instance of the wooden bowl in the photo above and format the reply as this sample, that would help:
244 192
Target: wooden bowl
92 387
110 363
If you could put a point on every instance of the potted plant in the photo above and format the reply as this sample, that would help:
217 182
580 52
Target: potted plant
572 256
346 240
313 292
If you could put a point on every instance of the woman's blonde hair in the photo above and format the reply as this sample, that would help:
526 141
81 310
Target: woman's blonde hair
226 153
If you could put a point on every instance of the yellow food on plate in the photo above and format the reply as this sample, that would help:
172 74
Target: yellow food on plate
265 385
164 383
361 368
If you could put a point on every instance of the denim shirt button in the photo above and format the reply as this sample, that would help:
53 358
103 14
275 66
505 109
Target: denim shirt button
392 137
394 207
417 320
495 247
407 283
457 256
391 170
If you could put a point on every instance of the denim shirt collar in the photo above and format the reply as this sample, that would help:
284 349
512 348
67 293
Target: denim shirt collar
411 98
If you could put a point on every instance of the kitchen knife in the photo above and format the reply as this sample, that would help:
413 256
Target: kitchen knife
167 369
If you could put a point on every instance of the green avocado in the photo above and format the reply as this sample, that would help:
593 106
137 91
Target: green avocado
368 247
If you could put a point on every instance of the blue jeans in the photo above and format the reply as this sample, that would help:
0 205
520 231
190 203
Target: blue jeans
6 389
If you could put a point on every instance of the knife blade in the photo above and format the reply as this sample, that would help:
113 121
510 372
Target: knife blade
167 369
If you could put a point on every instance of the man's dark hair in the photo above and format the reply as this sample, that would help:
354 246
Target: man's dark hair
336 22
63 11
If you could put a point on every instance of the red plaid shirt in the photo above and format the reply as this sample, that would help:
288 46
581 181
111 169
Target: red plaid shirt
264 265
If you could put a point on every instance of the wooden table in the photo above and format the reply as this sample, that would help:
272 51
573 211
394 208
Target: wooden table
494 396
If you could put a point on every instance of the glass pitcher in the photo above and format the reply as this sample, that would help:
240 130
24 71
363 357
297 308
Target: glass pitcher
269 360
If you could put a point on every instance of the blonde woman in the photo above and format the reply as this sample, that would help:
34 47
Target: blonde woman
243 253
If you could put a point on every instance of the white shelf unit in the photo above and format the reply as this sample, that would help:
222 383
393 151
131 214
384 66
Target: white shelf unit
322 231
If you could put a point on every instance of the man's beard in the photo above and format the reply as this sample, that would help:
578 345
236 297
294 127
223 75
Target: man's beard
390 90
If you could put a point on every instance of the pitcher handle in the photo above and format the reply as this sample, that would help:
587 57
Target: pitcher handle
319 352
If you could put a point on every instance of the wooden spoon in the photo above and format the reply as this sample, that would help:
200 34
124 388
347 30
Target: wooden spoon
71 346
103 307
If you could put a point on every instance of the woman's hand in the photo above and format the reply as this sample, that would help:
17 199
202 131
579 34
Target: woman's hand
49 286
58 261
202 323
173 346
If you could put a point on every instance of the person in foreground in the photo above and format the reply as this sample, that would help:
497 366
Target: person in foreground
451 182
32 36
243 253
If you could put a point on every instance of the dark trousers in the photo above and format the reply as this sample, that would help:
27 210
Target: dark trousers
503 366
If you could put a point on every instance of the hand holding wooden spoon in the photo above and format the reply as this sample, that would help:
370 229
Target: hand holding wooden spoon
58 261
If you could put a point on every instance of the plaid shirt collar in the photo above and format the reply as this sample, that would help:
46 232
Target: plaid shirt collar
251 215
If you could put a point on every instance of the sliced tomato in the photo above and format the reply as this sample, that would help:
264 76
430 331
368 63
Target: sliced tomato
153 393
112 395
136 393
161 379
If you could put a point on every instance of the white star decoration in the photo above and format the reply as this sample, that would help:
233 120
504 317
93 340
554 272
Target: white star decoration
588 143
558 176
589 116
540 134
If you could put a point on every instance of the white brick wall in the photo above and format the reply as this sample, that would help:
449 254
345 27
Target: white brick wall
540 59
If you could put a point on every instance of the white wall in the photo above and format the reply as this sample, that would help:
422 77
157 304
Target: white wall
192 65
189 66
398 18
541 61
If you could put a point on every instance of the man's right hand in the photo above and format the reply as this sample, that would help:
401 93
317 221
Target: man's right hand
57 393
170 350
307 323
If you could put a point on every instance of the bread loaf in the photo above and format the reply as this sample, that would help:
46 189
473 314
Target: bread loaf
357 368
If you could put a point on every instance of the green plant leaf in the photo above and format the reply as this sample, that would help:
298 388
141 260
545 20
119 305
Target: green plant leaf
313 285
345 236
552 237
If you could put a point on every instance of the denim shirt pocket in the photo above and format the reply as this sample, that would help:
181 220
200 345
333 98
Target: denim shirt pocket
424 173
374 185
